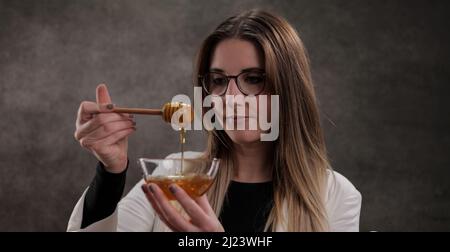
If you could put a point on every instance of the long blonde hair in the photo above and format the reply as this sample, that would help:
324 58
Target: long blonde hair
299 160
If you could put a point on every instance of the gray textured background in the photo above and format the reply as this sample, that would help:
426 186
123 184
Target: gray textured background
381 70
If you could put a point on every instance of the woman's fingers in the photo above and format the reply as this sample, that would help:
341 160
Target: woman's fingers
116 137
105 131
97 129
86 111
201 220
89 110
198 216
156 206
172 215
100 145
102 94
150 198
204 204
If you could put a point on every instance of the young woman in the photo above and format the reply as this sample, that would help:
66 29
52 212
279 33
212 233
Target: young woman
281 185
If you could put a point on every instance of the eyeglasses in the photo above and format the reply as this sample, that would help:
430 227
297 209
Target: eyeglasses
248 82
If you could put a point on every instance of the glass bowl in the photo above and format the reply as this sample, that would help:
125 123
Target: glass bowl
195 176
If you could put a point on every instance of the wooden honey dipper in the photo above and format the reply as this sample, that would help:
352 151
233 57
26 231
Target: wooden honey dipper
166 112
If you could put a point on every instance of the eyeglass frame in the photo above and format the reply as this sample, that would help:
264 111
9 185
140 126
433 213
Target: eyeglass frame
229 78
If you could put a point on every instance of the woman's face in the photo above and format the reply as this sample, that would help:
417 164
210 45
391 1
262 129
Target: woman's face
232 56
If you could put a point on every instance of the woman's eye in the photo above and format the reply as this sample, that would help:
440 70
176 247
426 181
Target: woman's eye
219 81
254 79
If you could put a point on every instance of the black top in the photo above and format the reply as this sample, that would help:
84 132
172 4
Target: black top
245 209
103 195
246 206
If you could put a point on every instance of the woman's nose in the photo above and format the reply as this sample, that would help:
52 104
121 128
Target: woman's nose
233 88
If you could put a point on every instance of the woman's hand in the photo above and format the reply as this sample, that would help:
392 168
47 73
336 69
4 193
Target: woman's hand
202 217
104 134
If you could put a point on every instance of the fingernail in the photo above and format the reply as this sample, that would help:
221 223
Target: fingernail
172 189
144 188
110 106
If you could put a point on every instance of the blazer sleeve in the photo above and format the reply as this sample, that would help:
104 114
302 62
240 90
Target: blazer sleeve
133 213
343 204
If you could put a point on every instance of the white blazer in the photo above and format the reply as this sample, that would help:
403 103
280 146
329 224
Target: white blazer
134 212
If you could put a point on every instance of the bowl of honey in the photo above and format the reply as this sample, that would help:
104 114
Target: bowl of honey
194 175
